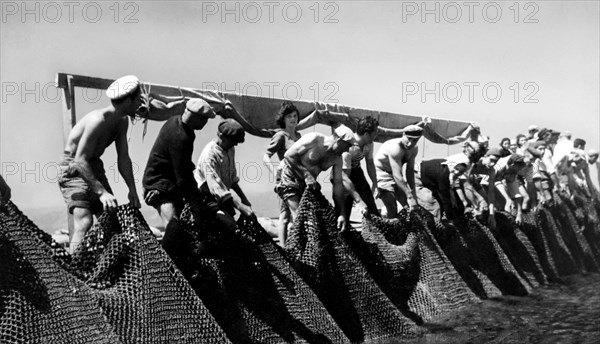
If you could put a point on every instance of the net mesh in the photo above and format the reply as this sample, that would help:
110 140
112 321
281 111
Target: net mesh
404 259
519 249
571 225
222 284
325 260
249 285
120 287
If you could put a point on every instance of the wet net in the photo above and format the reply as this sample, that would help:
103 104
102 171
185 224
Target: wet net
403 258
479 258
563 260
324 259
120 287
571 225
519 249
537 237
247 283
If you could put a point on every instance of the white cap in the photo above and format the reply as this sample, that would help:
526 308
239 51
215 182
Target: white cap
122 87
345 133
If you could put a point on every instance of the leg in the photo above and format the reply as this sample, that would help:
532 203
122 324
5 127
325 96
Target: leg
525 195
364 190
82 222
167 212
389 201
284 221
292 202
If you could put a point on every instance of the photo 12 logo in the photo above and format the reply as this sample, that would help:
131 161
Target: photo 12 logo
470 12
471 91
70 12
270 12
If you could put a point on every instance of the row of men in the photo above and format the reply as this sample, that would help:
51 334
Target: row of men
460 182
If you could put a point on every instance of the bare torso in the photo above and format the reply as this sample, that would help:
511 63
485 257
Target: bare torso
318 158
102 127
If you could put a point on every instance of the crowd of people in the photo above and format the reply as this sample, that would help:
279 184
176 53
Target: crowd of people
516 176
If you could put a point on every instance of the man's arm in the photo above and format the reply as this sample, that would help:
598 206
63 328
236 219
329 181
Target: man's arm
244 206
338 194
163 108
346 170
399 176
491 193
502 189
124 164
277 142
371 171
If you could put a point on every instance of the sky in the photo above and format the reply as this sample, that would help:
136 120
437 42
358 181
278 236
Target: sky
503 64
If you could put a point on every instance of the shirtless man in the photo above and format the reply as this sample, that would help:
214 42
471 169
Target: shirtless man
355 183
306 159
82 177
392 184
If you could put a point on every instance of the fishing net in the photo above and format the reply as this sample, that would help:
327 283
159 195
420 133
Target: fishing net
590 222
518 248
120 287
537 237
471 246
403 258
571 227
563 260
325 260
248 285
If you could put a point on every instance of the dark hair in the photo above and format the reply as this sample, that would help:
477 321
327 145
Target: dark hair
117 102
287 108
366 125
579 142
519 137
504 139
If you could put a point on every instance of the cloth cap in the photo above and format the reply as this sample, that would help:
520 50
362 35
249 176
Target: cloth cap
539 143
543 132
122 87
475 145
592 152
199 106
233 129
413 131
533 127
345 133
496 151
516 159
566 134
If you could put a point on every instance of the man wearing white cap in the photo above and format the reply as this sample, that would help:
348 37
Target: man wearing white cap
392 184
82 178
169 176
592 159
306 159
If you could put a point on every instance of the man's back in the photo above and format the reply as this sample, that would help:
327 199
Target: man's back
96 131
172 150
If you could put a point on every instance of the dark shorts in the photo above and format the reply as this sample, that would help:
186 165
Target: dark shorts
75 190
290 184
156 198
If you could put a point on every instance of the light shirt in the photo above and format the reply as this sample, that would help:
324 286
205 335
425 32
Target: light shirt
216 168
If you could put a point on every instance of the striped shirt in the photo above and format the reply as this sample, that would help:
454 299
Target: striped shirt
354 156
